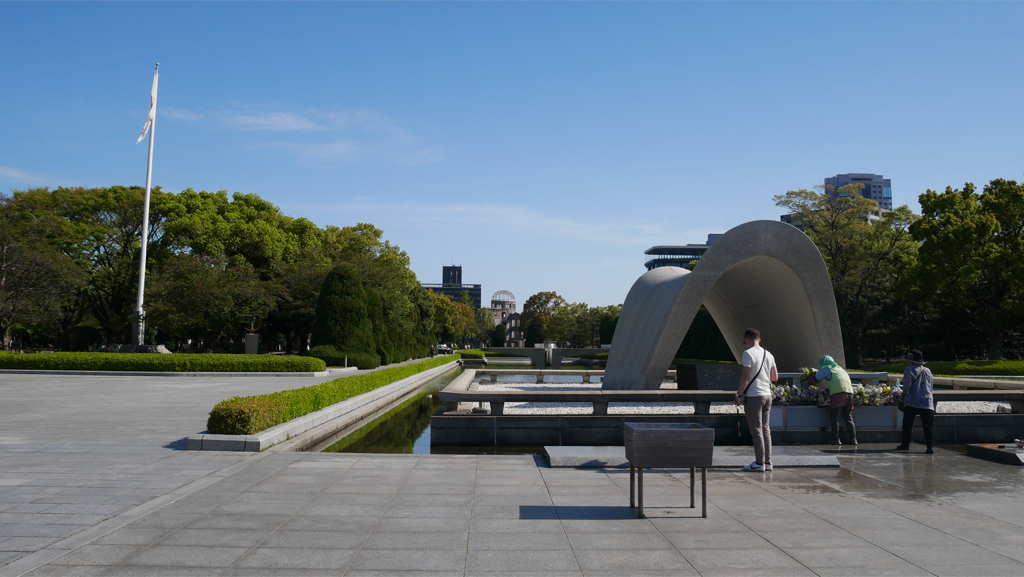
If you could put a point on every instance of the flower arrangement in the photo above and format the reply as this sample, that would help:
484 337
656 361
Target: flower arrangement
812 395
877 395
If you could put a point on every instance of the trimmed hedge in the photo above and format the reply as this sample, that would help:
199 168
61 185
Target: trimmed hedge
335 358
955 368
250 415
156 362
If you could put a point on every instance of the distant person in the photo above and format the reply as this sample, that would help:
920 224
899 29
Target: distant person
840 400
755 394
432 351
917 400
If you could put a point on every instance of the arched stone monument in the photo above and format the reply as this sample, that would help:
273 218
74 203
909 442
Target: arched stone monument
764 274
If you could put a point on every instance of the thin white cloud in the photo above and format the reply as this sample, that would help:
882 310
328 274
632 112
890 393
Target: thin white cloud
613 232
276 121
180 114
343 136
21 176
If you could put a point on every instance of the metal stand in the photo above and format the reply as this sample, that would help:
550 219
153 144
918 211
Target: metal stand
636 488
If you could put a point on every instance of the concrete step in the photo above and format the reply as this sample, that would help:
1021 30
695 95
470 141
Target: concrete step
603 456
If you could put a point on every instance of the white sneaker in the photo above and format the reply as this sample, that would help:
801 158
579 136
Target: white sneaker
767 467
754 468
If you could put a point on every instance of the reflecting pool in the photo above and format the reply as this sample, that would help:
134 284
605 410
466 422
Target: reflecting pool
404 428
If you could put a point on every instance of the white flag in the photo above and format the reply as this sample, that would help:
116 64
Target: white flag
152 107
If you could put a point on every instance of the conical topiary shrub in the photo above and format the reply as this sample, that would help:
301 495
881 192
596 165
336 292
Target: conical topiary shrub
342 319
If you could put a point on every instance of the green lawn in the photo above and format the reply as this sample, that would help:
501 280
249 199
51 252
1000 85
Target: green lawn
955 368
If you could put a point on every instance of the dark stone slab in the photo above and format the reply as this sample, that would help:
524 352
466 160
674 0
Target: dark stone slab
669 444
1008 454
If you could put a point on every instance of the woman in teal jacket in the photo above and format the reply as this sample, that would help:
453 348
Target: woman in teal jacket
840 389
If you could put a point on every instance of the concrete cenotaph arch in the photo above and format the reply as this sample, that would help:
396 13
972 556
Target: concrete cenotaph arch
764 274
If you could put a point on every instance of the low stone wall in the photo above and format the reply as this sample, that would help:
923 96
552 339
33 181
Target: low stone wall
460 430
337 416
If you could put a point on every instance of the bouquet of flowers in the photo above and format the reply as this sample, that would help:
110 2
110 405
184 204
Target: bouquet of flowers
791 395
806 376
877 395
782 395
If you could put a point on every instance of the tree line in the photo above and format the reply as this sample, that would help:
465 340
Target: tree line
217 267
948 281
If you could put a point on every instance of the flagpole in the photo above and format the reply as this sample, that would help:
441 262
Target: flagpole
139 325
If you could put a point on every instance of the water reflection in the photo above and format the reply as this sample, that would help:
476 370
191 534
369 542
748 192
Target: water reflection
402 429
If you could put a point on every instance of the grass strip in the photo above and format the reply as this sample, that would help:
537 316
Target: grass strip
250 415
957 368
163 363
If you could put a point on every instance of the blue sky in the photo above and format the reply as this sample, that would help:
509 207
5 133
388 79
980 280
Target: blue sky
543 146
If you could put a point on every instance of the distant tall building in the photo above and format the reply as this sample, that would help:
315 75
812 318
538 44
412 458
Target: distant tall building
453 286
676 255
876 187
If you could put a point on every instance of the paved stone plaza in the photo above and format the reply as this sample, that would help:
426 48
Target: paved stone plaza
93 481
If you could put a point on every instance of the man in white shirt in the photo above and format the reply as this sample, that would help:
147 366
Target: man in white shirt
755 393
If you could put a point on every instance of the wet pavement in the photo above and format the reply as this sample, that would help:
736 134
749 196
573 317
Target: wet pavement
882 513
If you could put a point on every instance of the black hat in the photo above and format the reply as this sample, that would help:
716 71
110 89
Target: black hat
915 356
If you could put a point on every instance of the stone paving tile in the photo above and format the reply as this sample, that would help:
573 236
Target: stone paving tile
952 555
755 571
67 571
297 558
446 541
669 561
1009 570
556 560
409 560
161 571
839 556
419 525
614 541
801 538
316 539
328 523
400 573
97 555
214 538
161 556
251 521
459 512
518 541
279 572
518 574
733 540
892 571
515 526
26 543
708 559
615 525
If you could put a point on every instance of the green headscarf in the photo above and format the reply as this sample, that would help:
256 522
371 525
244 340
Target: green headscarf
827 361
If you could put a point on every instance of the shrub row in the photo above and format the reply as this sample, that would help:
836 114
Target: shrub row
250 415
199 363
335 358
954 368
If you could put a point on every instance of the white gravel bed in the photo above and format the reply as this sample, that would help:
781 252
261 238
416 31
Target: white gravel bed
660 408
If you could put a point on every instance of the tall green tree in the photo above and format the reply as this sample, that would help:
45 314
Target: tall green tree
866 256
101 232
538 310
972 254
35 278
